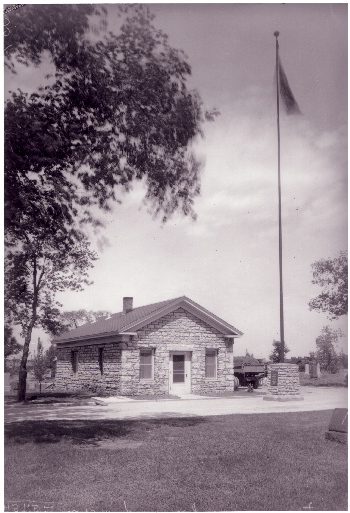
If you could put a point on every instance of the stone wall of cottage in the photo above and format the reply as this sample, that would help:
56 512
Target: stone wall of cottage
88 377
175 331
178 330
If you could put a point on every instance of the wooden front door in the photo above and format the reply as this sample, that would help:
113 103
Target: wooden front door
180 373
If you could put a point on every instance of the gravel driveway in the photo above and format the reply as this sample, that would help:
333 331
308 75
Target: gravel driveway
315 398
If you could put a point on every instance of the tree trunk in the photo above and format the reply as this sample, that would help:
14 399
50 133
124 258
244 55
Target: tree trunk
22 376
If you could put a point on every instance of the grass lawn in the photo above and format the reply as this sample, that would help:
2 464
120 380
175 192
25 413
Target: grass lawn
225 463
326 379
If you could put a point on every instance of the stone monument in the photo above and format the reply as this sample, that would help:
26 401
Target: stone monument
283 383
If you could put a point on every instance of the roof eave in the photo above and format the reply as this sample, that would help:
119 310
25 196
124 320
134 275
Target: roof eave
222 326
86 337
217 323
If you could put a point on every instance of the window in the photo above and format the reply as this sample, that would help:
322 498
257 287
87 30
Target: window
210 363
100 359
146 364
75 362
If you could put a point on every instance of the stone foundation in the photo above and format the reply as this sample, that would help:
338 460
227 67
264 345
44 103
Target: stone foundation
283 383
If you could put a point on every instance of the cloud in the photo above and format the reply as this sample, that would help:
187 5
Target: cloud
239 183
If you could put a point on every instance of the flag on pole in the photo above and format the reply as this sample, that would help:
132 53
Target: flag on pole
286 94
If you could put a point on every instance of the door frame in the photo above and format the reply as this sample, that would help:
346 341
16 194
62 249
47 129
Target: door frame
188 369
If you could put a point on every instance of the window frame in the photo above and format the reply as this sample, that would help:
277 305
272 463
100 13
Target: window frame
75 362
101 359
151 365
214 352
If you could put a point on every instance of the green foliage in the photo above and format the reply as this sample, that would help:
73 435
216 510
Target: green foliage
36 271
118 111
51 359
326 353
38 267
74 318
275 356
39 363
332 276
343 357
11 346
58 30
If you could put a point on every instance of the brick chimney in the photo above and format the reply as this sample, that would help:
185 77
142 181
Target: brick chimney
127 304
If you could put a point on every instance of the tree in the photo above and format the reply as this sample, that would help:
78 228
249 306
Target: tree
70 320
312 355
35 270
275 356
59 32
39 363
51 359
326 352
74 318
118 111
343 358
332 276
10 342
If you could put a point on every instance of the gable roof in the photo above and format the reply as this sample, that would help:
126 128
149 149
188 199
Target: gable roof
121 322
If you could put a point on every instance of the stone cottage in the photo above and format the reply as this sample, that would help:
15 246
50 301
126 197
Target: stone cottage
171 347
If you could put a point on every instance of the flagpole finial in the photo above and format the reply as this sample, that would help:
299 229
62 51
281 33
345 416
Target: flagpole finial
276 34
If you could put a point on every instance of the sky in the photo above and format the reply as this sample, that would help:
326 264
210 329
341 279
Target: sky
227 260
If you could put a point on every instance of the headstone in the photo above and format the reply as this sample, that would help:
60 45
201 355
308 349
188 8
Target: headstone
313 370
318 370
338 426
307 369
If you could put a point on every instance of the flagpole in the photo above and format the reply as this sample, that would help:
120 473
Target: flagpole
276 34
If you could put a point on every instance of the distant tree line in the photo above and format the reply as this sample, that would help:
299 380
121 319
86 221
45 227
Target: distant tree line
327 354
332 275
